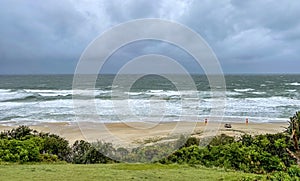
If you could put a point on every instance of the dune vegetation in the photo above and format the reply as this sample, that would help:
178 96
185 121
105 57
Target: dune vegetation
268 156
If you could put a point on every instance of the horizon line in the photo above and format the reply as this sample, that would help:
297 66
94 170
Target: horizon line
226 74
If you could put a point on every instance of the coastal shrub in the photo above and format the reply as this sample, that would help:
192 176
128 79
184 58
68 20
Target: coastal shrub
122 153
294 171
23 144
48 158
278 145
232 156
291 174
79 150
280 176
107 151
261 154
275 144
151 153
185 141
294 124
87 153
192 141
56 145
252 178
18 133
294 131
95 156
222 139
12 150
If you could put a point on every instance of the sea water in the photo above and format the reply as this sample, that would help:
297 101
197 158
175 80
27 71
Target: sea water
29 99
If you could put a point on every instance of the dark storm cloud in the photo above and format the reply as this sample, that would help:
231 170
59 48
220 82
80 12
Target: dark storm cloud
247 36
250 36
39 37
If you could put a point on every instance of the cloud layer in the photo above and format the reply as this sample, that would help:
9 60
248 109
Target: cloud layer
247 36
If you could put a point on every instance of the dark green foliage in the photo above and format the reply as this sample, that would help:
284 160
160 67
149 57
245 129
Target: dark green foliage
247 140
79 150
294 124
151 153
23 144
260 154
56 145
292 174
222 139
87 153
294 171
275 144
17 133
192 141
106 149
294 130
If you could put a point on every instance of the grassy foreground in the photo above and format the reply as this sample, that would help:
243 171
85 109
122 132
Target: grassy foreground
115 172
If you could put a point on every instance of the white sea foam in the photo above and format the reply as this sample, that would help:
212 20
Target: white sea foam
134 93
229 93
5 90
291 90
156 91
258 93
47 93
293 83
53 93
261 119
244 90
261 108
273 101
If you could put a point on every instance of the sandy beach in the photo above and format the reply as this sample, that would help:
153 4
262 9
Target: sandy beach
135 132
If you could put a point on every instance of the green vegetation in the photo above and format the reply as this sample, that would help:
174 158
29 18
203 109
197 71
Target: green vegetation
273 156
87 153
294 131
26 145
261 154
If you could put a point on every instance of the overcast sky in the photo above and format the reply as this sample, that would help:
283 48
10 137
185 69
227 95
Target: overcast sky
255 36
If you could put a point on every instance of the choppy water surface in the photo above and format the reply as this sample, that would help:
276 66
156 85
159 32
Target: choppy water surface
35 98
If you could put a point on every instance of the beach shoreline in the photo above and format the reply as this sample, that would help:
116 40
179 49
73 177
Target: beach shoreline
137 132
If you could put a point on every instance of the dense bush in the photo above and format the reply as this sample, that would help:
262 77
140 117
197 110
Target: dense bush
55 145
275 144
191 141
260 154
22 132
291 174
294 124
263 153
87 153
12 150
152 153
23 144
222 139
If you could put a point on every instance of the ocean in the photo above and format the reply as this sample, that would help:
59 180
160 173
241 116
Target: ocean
31 99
